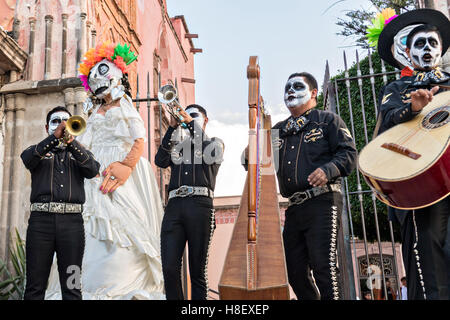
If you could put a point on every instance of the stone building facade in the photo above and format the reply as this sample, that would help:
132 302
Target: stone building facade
41 46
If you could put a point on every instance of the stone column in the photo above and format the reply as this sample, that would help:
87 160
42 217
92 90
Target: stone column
48 46
69 99
29 71
17 205
93 38
81 43
88 34
4 221
80 97
64 46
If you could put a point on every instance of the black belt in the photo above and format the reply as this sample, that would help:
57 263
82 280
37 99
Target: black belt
302 196
57 207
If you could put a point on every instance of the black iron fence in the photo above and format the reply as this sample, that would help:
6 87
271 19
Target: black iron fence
353 94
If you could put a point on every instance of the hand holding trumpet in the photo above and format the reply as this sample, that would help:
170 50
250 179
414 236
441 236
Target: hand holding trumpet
186 117
61 133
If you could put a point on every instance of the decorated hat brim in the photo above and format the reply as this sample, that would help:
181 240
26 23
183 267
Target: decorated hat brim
419 16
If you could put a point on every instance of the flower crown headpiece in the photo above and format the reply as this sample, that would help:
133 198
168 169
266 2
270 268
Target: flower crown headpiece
120 55
378 24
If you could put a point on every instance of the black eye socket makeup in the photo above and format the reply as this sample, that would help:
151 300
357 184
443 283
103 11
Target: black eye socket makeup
194 114
103 69
299 86
420 43
433 42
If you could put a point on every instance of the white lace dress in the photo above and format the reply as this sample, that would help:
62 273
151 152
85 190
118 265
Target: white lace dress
122 257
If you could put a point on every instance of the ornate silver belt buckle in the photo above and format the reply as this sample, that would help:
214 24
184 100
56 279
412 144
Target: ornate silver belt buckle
184 191
57 207
298 198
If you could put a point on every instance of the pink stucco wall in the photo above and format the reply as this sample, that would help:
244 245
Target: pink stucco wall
157 36
7 13
156 33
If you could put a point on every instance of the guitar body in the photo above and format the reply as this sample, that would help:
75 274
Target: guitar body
408 166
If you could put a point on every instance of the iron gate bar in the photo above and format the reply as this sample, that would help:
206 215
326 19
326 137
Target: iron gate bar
332 98
345 261
391 230
348 251
160 139
364 76
347 83
349 207
383 71
149 141
394 254
137 92
366 139
145 100
372 82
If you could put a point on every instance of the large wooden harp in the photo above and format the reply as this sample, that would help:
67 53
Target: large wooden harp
255 267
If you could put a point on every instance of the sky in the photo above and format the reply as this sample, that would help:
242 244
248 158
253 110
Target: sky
287 35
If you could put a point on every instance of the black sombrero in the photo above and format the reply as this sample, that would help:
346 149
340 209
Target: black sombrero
419 16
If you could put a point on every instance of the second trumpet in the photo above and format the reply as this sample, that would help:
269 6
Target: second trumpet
168 95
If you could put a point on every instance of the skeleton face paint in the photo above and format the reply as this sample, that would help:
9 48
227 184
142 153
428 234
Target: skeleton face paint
55 120
296 92
426 49
104 76
399 46
197 116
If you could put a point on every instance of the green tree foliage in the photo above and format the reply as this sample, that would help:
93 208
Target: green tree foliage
358 126
355 22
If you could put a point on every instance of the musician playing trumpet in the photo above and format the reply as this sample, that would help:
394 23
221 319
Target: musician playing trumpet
58 169
194 159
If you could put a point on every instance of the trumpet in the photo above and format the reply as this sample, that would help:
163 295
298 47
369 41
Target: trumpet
168 95
75 126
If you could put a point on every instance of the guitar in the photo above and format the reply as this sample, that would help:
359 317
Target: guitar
408 166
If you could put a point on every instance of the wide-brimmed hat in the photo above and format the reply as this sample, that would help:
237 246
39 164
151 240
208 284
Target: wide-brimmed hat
419 16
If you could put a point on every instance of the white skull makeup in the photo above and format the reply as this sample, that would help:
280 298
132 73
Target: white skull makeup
103 77
55 120
399 46
426 49
296 92
197 116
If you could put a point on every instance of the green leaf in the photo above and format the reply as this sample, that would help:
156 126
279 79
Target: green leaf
8 282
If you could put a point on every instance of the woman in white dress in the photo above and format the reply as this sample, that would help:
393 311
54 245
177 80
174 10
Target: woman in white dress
123 210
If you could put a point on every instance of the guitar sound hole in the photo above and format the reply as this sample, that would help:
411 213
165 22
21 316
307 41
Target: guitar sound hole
437 118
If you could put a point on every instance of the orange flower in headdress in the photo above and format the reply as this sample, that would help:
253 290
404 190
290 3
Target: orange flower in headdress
120 55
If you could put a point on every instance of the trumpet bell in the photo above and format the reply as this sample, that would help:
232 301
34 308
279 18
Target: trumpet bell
75 125
167 94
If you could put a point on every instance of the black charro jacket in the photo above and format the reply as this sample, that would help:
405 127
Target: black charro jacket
322 142
57 175
195 161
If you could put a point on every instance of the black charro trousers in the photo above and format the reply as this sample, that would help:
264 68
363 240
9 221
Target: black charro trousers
191 220
310 242
48 233
424 234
